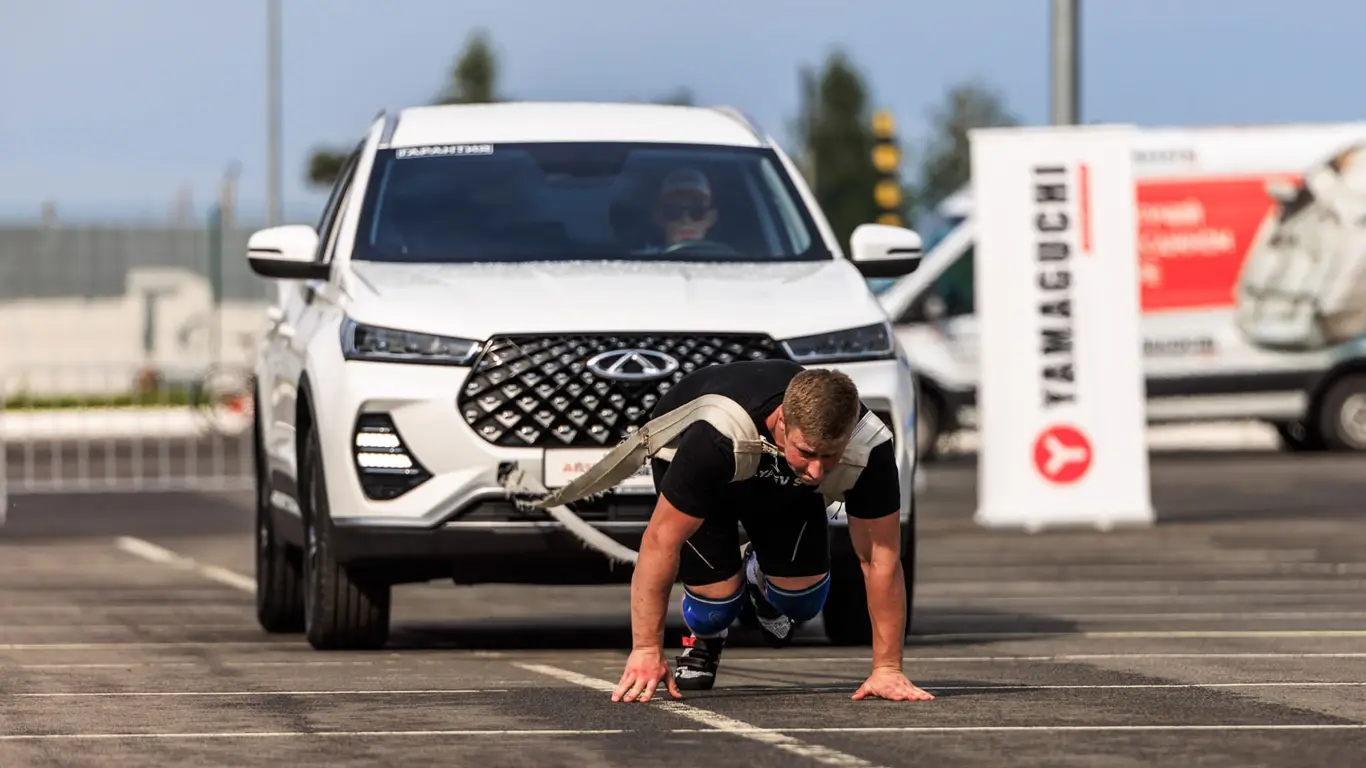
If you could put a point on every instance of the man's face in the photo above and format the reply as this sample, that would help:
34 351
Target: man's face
811 461
684 216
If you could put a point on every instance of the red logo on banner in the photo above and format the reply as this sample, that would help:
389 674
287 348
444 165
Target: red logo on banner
1062 454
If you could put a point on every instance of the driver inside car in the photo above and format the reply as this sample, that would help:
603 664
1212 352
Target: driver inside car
683 208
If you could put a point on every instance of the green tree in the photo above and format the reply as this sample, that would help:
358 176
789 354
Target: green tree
682 97
472 79
946 165
835 139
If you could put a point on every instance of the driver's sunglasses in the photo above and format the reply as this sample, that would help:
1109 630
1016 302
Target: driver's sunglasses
673 211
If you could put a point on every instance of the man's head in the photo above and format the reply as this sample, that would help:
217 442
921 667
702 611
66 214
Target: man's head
813 425
683 208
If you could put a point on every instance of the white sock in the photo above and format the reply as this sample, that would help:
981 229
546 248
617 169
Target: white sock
752 572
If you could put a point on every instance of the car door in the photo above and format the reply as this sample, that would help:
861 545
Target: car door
297 321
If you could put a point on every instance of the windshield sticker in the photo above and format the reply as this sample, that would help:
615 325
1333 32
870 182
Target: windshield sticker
444 150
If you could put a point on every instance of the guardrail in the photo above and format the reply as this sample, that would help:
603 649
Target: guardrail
128 428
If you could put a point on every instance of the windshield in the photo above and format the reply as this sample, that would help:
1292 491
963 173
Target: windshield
583 201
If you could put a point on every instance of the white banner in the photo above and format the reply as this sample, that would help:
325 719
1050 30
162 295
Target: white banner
1061 402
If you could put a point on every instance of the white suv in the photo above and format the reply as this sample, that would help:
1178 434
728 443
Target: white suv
508 287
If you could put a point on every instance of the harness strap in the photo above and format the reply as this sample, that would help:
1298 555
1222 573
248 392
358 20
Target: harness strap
657 437
869 433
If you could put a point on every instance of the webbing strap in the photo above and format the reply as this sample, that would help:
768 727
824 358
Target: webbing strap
868 434
656 437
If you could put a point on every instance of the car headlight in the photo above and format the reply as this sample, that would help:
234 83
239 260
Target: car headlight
870 342
390 345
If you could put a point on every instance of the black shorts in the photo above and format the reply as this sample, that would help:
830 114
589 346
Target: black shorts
790 541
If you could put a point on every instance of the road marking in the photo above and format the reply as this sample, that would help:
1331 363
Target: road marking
120 694
132 626
774 736
1043 728
912 660
156 554
996 615
1126 686
717 723
302 734
1065 588
141 645
991 602
1154 634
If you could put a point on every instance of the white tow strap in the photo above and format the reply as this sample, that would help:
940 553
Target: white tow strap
658 438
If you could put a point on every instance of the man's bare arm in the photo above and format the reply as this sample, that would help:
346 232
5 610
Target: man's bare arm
655 572
877 542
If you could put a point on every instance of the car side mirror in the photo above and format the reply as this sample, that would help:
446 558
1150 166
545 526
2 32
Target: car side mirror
881 250
286 253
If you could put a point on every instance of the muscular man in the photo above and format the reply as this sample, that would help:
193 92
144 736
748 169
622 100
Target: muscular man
784 569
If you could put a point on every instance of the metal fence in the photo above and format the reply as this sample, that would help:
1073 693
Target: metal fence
123 355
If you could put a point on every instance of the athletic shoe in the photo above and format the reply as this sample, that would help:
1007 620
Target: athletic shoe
696 667
776 628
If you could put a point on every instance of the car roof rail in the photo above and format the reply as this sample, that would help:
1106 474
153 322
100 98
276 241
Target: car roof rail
740 117
390 125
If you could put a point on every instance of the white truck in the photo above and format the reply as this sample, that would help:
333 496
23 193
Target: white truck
507 289
1252 249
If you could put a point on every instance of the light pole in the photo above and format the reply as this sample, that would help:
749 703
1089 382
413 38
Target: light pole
1065 52
273 112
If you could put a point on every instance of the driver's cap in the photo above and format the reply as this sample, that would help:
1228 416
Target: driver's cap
686 181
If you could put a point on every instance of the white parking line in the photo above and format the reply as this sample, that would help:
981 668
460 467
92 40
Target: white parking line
1005 615
998 602
717 723
156 554
766 735
130 627
301 734
132 694
1137 686
929 729
1065 657
146 645
1154 634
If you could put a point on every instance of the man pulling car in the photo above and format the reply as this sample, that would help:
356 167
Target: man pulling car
817 438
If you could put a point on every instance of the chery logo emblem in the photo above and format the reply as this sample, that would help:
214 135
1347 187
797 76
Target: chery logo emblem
632 364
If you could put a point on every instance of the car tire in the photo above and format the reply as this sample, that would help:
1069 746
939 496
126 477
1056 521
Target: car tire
927 426
279 567
1342 416
1298 437
343 609
845 614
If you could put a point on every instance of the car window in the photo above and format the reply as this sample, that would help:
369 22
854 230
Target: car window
955 285
534 202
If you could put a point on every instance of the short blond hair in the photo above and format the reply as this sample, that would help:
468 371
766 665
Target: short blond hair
822 404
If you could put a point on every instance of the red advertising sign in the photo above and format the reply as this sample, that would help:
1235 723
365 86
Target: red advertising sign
1193 235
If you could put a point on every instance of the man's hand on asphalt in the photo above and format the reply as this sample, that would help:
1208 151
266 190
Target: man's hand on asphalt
890 684
645 668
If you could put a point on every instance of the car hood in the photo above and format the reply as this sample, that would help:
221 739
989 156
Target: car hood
480 300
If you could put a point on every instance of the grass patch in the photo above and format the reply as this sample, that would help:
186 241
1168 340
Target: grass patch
169 398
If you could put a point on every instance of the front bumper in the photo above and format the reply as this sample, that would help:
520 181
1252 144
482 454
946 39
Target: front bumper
461 513
510 552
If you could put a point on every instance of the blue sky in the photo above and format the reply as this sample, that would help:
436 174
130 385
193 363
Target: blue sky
109 107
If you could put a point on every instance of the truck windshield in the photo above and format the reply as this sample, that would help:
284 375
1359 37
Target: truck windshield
583 201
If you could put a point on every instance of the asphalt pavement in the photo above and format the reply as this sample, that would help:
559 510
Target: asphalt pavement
1230 634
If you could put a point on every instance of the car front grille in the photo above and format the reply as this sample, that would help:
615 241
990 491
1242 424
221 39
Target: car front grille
567 391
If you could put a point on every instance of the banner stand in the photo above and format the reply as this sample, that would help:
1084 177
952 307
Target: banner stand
1060 401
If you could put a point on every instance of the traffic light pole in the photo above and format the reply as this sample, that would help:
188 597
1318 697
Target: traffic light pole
887 161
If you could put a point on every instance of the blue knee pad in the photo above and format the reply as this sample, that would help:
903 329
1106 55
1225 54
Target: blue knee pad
799 605
709 617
